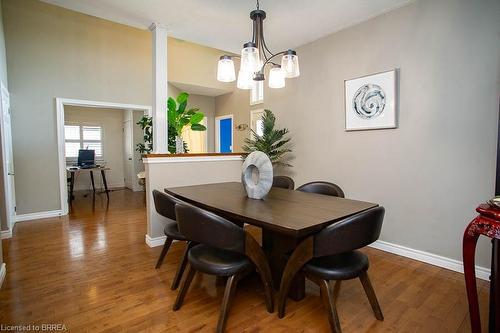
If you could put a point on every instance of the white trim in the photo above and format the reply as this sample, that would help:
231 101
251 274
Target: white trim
155 241
3 273
60 103
217 148
159 160
38 215
4 234
429 258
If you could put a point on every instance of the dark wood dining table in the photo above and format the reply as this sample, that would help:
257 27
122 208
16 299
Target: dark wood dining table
286 217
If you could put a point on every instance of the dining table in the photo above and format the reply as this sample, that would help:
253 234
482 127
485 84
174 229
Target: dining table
286 217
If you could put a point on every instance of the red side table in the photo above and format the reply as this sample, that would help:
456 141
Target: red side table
487 224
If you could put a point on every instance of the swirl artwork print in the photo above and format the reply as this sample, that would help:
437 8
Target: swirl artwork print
370 102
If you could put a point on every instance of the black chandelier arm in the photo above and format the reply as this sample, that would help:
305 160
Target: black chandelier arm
269 60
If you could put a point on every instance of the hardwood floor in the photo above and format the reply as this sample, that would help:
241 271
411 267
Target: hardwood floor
93 272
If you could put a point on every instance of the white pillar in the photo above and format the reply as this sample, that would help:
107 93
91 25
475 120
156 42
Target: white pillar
159 87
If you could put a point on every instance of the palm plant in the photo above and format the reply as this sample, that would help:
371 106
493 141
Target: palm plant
272 142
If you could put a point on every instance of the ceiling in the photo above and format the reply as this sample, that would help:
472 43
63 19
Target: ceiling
199 90
225 24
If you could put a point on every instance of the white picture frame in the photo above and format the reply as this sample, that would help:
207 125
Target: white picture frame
257 93
371 101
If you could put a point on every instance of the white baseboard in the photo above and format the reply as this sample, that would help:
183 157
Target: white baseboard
4 234
3 272
38 215
155 241
429 258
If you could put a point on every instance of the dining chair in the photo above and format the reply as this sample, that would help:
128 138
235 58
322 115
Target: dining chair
165 206
331 255
320 187
283 182
224 250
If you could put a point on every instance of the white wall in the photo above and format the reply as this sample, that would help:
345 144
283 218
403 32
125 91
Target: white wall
3 78
433 170
111 121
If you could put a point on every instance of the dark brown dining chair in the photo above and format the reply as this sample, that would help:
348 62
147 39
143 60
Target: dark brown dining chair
224 249
283 182
325 188
165 206
331 255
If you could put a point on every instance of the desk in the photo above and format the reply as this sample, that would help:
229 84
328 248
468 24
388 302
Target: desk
72 171
285 216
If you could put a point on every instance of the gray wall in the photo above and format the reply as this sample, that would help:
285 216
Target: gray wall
433 170
53 52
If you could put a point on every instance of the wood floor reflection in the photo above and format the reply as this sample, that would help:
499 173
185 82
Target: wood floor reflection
93 272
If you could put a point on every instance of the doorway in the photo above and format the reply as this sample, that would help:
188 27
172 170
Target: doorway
61 104
224 134
7 159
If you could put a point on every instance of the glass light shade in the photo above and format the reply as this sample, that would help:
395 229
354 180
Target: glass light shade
225 69
245 80
276 78
290 64
250 59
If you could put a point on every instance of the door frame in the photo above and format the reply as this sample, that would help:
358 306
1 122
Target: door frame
228 116
60 104
9 197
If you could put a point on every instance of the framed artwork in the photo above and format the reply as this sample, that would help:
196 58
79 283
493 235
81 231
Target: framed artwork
371 101
257 93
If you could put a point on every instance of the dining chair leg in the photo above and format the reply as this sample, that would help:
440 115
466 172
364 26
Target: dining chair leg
336 290
370 293
184 288
164 251
329 302
232 281
181 268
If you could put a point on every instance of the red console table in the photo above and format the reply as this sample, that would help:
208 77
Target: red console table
487 224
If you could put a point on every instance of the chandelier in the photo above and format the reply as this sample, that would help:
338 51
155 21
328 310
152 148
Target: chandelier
255 56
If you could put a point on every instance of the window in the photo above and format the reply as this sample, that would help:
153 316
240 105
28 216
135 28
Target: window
82 137
256 122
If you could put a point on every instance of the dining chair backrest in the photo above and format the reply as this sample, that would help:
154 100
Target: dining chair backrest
283 182
165 204
325 188
349 234
207 228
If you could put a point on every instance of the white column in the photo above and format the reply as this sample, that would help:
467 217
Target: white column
159 87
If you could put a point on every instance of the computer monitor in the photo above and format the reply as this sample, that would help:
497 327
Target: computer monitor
86 157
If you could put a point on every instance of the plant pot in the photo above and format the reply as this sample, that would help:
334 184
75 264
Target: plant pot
179 145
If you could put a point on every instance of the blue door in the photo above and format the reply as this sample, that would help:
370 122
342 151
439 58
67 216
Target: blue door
226 135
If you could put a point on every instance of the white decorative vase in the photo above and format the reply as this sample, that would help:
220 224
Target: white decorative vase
257 175
179 145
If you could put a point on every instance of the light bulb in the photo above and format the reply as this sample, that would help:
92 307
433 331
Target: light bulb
225 69
290 64
250 59
245 80
276 77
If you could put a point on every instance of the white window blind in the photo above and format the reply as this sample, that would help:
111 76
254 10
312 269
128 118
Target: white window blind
82 137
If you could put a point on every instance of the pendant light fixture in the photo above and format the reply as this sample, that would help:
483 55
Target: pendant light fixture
255 56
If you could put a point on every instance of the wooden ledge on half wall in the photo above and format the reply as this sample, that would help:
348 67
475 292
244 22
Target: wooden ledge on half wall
192 155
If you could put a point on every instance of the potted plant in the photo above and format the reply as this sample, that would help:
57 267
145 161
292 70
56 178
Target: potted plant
273 142
146 124
180 118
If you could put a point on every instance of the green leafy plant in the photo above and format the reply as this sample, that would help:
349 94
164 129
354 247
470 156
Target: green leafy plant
273 142
146 124
180 118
